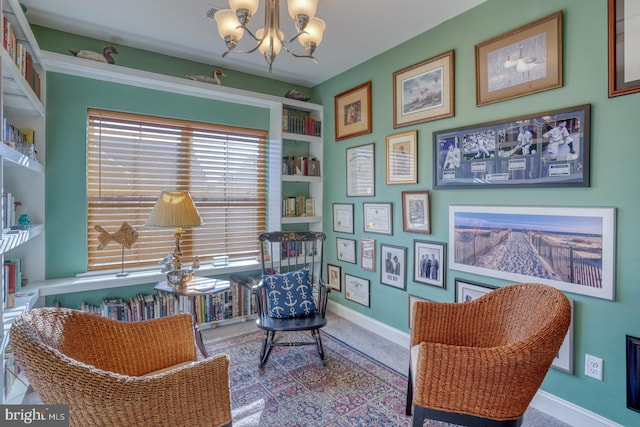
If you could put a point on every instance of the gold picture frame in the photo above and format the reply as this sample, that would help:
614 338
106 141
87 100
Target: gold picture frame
352 111
624 73
402 157
424 91
520 62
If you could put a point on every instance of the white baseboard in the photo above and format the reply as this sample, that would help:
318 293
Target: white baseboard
547 403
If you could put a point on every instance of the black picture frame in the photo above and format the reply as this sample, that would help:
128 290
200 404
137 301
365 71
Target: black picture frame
393 266
548 149
633 373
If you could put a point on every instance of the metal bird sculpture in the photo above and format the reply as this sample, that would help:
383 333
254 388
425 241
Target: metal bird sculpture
214 79
126 236
95 56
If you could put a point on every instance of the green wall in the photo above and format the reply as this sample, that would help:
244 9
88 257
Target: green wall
600 325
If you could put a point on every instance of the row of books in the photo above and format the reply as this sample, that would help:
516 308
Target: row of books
295 121
21 140
11 280
18 51
8 210
298 206
234 302
304 166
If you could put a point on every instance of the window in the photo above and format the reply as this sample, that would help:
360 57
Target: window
131 158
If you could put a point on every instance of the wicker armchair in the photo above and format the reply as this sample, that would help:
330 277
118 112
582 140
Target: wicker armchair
113 373
479 363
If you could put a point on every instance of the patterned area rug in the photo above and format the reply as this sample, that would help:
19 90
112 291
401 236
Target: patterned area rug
295 389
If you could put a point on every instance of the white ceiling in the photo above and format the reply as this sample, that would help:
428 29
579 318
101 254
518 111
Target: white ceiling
356 30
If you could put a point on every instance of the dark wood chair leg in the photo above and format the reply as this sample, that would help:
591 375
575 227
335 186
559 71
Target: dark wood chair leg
316 336
409 393
267 339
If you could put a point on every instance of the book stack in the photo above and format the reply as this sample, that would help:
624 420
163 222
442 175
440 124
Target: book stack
298 206
303 166
21 56
12 280
8 211
300 122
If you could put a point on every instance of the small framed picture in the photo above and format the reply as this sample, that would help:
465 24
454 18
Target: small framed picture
564 358
415 212
393 266
334 277
468 291
429 264
413 299
368 254
346 250
360 171
343 217
624 55
356 289
402 158
378 218
353 112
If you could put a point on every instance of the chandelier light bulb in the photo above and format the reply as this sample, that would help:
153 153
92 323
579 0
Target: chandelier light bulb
244 9
311 38
301 11
228 27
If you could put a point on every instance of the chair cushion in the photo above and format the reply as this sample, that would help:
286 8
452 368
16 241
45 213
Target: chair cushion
289 294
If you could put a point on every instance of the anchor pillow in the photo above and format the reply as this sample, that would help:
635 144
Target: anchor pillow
289 294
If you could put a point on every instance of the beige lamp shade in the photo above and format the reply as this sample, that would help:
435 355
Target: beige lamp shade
174 209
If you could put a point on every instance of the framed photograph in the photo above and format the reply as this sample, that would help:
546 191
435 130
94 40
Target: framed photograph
360 171
402 158
393 266
378 218
334 277
413 299
564 358
468 291
520 62
356 289
633 373
549 149
571 249
346 250
415 212
624 47
424 91
368 254
353 112
343 217
429 263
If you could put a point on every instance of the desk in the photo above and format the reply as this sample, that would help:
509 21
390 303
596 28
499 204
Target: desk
198 286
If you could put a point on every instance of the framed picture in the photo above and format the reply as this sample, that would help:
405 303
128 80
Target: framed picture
343 217
429 263
360 171
353 112
415 212
549 149
346 250
413 299
564 358
468 291
356 289
424 91
368 254
393 266
520 62
571 249
377 218
334 277
633 373
624 55
402 158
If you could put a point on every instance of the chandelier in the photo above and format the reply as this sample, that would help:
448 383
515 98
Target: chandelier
232 23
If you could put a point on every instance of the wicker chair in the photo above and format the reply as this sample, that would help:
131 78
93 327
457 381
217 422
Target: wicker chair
113 373
479 363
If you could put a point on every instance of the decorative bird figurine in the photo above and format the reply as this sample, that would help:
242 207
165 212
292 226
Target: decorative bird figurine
295 94
95 56
214 79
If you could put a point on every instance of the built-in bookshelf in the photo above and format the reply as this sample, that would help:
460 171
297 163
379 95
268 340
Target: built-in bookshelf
22 153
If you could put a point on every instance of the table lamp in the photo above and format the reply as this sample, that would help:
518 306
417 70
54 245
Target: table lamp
175 209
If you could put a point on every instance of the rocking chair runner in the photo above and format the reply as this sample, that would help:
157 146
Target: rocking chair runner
292 296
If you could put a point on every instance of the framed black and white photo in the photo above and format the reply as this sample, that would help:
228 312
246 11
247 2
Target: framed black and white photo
393 266
429 263
334 277
368 254
415 212
346 250
402 158
343 217
378 218
467 290
357 289
360 171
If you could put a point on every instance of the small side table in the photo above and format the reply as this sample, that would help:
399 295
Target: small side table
196 287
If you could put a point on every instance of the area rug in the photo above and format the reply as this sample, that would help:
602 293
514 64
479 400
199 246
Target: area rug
295 389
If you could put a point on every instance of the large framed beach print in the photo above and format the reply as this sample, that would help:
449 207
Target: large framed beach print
547 149
569 248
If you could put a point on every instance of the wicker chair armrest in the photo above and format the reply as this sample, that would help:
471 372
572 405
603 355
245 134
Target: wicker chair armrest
437 322
485 382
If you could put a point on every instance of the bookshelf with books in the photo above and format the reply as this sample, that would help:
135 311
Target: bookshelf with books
22 108
301 172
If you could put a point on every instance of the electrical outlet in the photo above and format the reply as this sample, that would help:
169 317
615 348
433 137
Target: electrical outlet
593 366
